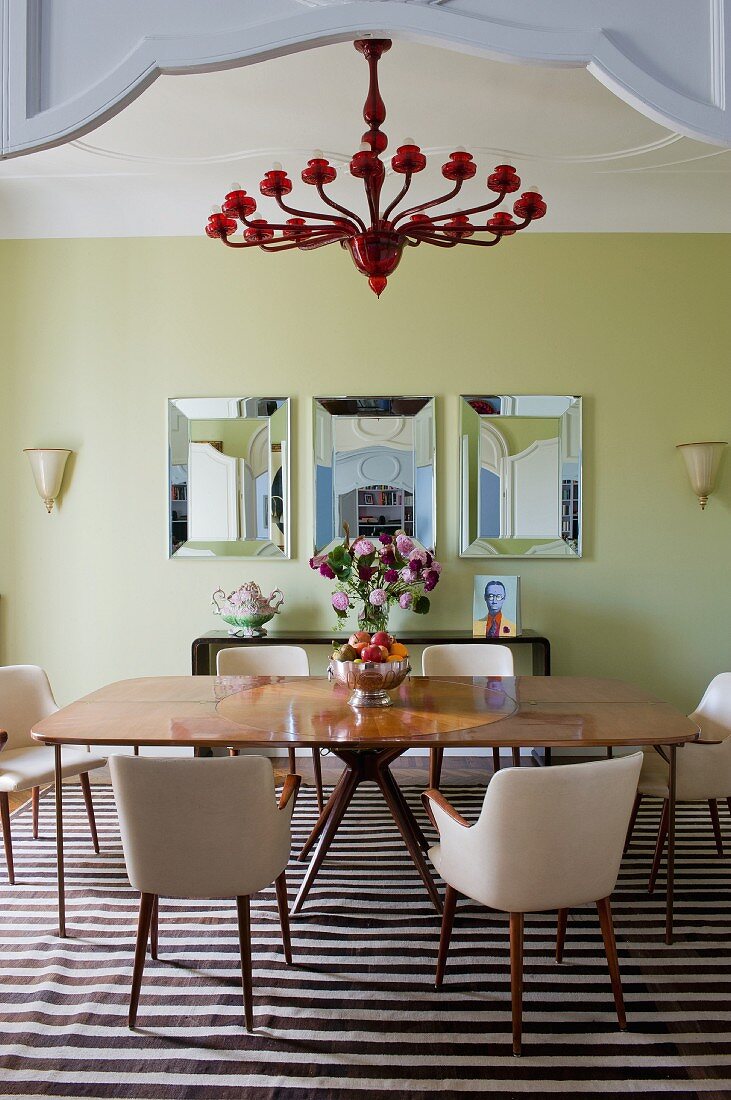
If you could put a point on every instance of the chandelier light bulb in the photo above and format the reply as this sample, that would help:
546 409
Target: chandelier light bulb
534 188
377 235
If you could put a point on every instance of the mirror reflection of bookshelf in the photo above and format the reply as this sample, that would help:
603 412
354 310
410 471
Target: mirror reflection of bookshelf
178 505
569 509
385 509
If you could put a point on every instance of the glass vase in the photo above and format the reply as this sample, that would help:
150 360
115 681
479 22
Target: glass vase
372 618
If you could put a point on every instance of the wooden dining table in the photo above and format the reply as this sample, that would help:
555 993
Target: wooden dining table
277 712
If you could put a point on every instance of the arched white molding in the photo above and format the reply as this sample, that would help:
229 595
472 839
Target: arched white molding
68 67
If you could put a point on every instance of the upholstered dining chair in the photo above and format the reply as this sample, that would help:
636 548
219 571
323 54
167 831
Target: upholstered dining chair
203 828
271 660
546 838
703 768
466 660
25 698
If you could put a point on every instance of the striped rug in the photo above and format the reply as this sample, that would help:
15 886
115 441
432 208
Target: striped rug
357 1015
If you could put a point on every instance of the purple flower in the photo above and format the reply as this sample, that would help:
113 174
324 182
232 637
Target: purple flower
340 601
317 561
405 600
327 570
385 539
436 566
362 548
388 557
390 576
406 575
365 572
418 555
378 597
404 544
431 580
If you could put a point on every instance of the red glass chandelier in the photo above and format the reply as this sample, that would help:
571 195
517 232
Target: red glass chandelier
376 247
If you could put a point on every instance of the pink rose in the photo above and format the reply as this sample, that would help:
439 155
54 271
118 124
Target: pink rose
436 566
405 600
404 545
406 574
340 601
362 548
378 597
419 555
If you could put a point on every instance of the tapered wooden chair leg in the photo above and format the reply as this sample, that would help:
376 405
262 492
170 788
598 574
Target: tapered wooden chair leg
496 760
605 919
153 928
317 768
7 839
242 909
292 761
35 797
662 833
435 767
632 820
713 807
233 752
563 915
450 904
516 758
147 902
516 978
86 788
283 906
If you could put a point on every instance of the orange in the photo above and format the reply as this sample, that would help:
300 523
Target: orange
398 650
394 657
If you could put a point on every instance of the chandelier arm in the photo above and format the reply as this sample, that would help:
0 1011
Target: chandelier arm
348 223
323 239
351 216
441 242
428 205
472 209
392 205
237 244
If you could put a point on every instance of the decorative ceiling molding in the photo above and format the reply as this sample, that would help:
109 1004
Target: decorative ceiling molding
68 67
301 154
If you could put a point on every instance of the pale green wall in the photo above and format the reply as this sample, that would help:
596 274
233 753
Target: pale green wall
96 335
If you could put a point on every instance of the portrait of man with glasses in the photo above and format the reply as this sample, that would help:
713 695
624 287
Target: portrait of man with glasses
495 607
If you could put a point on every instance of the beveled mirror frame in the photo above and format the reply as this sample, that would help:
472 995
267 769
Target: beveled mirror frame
543 468
414 416
250 502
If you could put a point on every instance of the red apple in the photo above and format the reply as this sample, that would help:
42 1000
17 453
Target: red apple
360 646
384 652
359 636
372 653
382 638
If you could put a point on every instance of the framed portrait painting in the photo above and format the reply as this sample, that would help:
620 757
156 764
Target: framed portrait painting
496 607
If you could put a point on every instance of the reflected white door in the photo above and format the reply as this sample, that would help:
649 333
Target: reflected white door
213 513
533 487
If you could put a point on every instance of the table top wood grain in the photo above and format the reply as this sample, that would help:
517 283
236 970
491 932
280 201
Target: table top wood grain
430 712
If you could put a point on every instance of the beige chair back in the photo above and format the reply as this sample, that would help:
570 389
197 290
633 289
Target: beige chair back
479 659
704 771
25 698
263 660
547 838
208 828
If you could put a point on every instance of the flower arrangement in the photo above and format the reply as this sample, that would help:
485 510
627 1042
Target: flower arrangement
373 575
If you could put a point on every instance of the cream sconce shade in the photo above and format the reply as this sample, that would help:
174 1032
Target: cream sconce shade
47 464
702 460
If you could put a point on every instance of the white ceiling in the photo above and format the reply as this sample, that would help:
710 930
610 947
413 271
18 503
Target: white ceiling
158 166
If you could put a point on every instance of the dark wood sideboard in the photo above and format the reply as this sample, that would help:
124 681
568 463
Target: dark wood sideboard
203 647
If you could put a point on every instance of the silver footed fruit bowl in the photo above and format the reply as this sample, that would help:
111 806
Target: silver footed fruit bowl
370 681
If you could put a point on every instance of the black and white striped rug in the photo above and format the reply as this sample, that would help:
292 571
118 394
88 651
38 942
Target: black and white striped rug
357 1015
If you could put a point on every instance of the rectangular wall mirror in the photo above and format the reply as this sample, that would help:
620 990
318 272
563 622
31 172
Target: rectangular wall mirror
374 468
521 476
229 477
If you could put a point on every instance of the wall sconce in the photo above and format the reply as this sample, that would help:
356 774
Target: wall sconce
47 464
703 461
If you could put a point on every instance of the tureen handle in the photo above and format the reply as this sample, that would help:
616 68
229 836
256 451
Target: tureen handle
219 592
276 592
